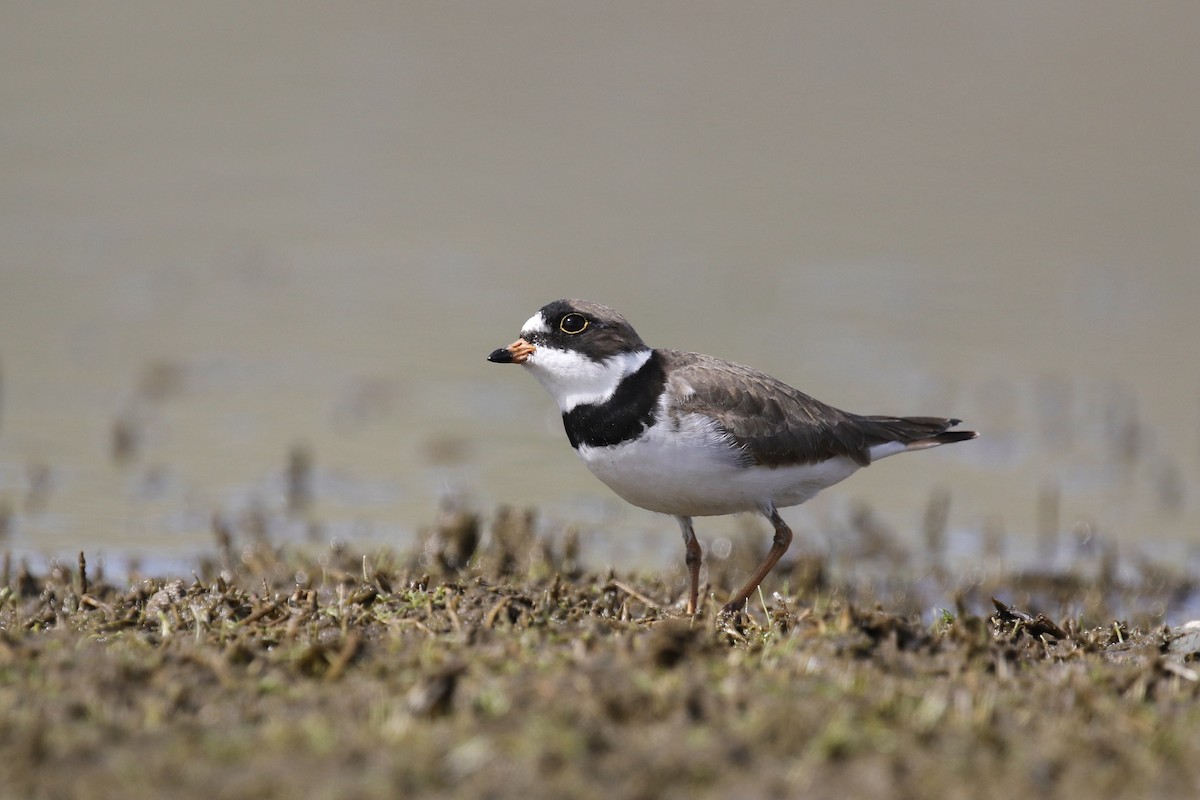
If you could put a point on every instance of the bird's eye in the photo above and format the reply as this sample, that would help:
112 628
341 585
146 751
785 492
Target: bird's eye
573 323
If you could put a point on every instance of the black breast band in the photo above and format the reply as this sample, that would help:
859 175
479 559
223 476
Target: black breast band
625 415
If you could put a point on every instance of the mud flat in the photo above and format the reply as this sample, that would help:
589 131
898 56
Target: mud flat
494 664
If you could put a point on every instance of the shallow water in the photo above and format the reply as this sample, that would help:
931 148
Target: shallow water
230 232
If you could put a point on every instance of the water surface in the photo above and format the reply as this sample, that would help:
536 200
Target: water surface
229 232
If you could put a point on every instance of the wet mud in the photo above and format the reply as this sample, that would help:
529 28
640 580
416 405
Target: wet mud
493 663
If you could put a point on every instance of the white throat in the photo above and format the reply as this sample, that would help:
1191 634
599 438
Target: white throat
573 379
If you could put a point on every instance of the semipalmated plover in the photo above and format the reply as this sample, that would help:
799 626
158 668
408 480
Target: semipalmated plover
691 435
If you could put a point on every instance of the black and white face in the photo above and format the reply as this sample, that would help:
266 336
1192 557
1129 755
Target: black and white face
578 351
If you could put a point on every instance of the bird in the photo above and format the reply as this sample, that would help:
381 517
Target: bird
692 435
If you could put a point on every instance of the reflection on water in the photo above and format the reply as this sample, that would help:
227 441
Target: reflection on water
250 273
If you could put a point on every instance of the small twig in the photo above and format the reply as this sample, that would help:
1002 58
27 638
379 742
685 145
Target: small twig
635 594
1037 626
489 619
1181 671
88 600
83 579
260 612
349 650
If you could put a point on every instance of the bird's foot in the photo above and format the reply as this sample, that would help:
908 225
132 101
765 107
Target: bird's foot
731 608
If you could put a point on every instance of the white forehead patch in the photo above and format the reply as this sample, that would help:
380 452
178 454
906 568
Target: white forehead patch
535 324
572 378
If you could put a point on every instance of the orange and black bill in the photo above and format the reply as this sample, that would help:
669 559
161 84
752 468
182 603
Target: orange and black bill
515 353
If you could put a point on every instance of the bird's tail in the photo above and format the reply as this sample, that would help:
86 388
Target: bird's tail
913 433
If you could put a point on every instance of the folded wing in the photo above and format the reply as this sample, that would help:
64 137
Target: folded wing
775 425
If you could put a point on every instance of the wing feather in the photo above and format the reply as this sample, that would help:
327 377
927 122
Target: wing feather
774 424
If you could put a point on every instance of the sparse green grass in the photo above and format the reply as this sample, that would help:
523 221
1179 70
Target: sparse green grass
524 676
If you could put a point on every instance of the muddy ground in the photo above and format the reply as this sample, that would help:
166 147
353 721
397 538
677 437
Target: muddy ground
493 664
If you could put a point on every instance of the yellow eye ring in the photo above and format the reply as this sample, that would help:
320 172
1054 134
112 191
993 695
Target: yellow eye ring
573 323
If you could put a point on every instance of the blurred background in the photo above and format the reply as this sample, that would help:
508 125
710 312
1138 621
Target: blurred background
253 256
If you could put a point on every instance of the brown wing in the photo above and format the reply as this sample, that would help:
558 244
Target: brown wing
776 425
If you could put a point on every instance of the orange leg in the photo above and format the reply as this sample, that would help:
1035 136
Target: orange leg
779 546
693 559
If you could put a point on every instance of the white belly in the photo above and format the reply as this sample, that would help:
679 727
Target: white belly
689 471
